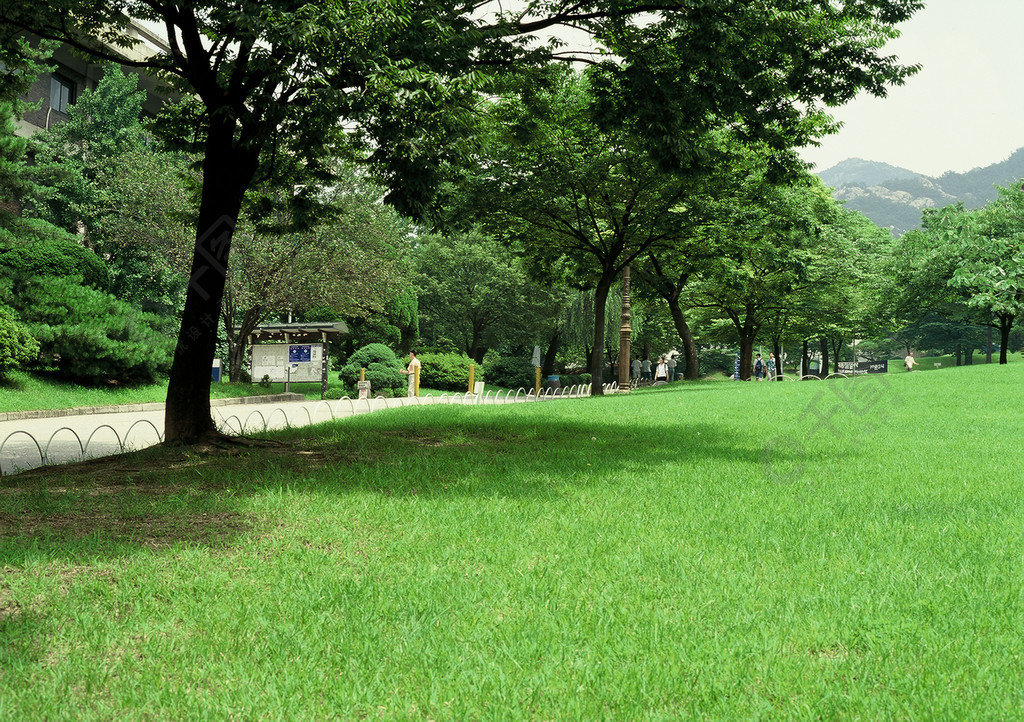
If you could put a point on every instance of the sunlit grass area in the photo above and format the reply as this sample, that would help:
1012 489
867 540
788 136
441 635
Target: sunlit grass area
21 391
823 549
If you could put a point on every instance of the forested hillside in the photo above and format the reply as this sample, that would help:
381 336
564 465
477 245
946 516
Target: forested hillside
894 197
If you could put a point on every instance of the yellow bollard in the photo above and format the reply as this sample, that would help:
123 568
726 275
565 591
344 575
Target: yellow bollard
362 374
417 387
472 370
538 381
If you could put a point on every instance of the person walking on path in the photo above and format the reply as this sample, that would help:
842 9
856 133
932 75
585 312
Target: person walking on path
758 368
661 371
671 368
646 366
636 368
412 371
910 362
771 367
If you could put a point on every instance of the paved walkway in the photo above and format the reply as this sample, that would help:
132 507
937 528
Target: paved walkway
30 439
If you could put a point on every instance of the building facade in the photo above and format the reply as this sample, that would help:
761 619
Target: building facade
73 74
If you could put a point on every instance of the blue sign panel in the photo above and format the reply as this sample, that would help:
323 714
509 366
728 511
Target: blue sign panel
300 354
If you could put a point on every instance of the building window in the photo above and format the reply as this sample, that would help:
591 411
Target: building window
62 93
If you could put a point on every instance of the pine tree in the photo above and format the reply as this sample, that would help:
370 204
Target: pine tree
15 184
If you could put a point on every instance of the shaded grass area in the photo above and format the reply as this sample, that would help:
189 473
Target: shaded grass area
823 549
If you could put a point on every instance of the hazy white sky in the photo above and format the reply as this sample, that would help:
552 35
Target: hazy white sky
963 110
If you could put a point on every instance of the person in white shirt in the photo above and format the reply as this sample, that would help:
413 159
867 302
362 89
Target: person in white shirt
411 371
661 372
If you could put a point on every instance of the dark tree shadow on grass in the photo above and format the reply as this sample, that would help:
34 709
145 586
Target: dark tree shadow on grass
162 497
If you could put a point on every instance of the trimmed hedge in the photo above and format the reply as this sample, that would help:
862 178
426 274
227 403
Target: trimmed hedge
447 371
711 361
567 380
510 372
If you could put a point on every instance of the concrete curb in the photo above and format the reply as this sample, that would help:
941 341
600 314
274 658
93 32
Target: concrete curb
136 408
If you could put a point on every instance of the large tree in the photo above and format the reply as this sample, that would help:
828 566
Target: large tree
991 275
101 176
966 266
580 202
776 245
475 293
283 79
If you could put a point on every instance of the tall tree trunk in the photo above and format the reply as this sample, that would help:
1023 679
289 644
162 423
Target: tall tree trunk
1005 326
823 347
777 350
692 370
227 172
837 347
549 358
238 340
805 359
600 317
746 356
747 332
670 291
475 342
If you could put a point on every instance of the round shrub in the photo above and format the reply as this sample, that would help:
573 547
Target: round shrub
17 346
511 372
446 371
52 254
383 369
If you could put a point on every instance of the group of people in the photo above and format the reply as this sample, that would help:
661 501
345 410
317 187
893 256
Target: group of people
764 369
664 370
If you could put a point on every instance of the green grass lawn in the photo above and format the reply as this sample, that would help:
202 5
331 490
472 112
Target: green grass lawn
21 391
828 549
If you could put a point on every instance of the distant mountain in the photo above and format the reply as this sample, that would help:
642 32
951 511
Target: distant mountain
858 171
894 197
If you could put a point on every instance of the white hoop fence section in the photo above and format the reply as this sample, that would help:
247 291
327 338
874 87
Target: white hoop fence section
21 450
279 418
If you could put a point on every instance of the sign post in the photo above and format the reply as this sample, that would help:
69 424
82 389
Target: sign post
293 352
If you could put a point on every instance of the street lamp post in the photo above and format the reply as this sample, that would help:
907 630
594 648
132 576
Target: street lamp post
625 331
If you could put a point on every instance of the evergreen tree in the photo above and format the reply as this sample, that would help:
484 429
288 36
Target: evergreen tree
15 181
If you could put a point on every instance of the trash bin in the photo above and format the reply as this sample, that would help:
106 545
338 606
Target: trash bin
215 373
